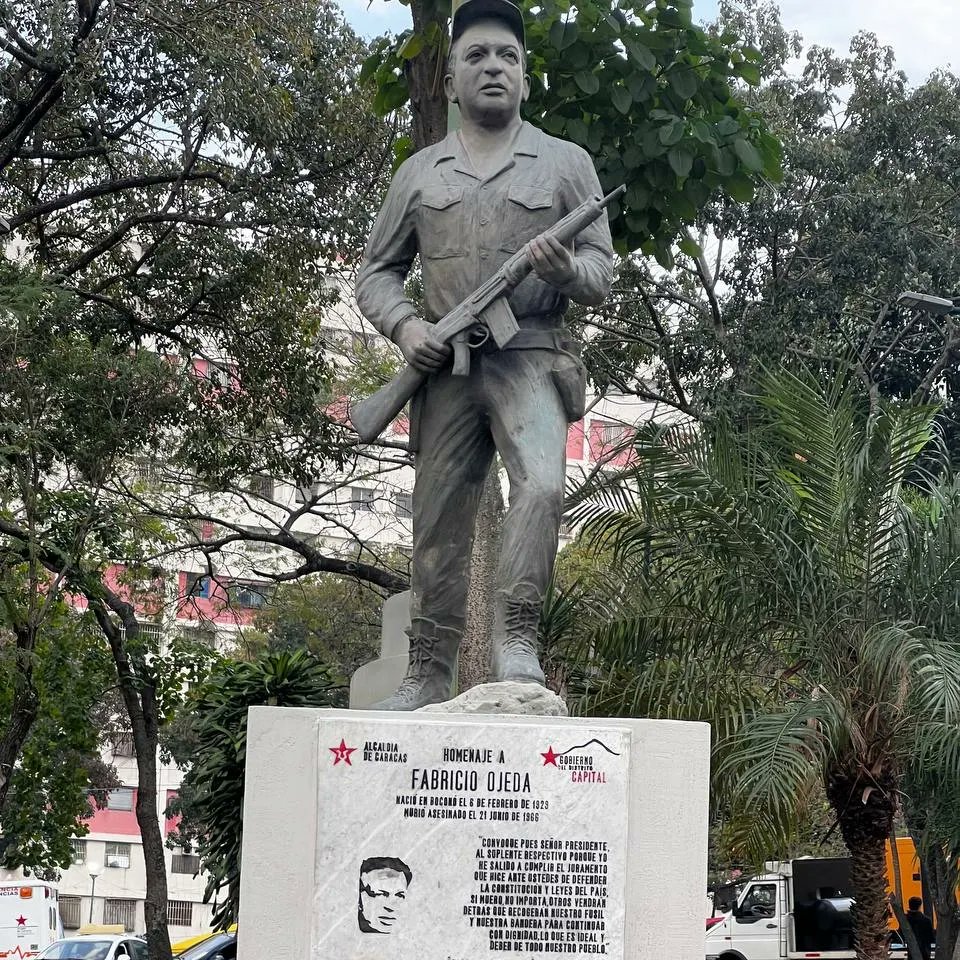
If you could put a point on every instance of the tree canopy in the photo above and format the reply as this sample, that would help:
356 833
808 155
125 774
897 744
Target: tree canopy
778 594
809 269
645 90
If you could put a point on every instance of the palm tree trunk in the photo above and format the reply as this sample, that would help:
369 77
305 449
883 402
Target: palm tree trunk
865 813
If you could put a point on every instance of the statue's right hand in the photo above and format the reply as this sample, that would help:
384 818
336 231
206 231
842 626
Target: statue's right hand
420 347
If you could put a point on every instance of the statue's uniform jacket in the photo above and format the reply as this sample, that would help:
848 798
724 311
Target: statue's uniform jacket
464 227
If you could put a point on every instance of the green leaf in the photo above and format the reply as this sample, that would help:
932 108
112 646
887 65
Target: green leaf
684 82
748 155
390 98
369 67
563 35
664 257
672 132
689 246
637 196
681 161
553 123
749 72
726 126
740 188
588 82
577 131
702 131
621 99
640 54
412 46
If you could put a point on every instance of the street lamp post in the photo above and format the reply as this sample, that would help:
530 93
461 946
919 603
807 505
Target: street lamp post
938 306
94 870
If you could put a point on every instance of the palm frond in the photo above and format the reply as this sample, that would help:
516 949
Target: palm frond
766 769
902 660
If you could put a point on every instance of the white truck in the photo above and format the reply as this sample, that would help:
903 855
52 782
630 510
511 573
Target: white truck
796 909
29 918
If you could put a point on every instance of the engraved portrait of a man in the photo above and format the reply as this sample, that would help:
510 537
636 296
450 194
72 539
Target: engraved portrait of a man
383 892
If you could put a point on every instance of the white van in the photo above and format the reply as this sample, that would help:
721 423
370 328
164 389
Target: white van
29 918
797 909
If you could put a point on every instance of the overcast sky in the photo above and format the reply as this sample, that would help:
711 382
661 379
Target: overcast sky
923 33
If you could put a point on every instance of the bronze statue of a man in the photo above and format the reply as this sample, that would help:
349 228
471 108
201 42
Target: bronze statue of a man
465 205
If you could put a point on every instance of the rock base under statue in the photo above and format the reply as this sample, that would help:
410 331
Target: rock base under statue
504 697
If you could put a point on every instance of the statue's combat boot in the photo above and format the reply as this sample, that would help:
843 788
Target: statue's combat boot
516 619
431 663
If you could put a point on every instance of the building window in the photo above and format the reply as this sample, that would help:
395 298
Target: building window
218 373
79 848
204 636
403 505
188 863
147 471
123 745
198 585
70 912
611 433
118 856
150 631
261 485
361 499
180 913
120 911
120 799
310 492
250 596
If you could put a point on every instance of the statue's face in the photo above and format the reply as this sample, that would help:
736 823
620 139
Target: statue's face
487 78
382 895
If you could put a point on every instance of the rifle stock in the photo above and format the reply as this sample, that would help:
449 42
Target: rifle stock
372 416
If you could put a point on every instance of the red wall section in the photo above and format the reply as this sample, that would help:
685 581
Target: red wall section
171 823
575 441
120 822
215 607
599 450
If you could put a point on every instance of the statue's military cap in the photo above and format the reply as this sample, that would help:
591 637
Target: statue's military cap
504 10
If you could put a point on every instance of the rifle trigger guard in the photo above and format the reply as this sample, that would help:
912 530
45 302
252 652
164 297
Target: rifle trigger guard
461 355
477 336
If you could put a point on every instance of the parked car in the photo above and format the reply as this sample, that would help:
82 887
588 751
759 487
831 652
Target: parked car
182 946
96 946
221 946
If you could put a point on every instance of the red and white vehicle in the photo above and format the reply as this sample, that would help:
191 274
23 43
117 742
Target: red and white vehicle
29 918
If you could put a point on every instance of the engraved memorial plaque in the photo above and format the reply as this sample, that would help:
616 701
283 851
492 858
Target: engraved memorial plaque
456 841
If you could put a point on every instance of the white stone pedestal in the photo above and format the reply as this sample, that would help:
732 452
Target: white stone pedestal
313 811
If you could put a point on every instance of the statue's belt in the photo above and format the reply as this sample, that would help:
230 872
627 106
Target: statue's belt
527 338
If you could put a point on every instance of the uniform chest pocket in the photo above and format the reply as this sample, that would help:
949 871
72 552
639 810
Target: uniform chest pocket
442 230
527 211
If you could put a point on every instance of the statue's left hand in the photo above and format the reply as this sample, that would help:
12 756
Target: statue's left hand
551 260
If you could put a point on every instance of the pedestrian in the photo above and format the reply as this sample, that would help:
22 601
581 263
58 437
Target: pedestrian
921 925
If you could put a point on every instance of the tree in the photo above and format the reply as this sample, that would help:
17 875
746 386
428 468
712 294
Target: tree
177 178
334 618
50 710
810 269
773 567
210 800
647 92
931 590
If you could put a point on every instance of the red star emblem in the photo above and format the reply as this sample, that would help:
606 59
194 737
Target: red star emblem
342 753
21 921
549 756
